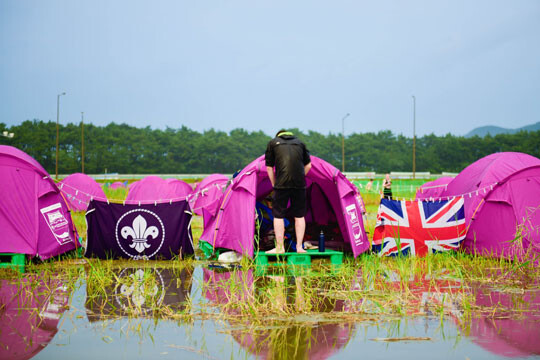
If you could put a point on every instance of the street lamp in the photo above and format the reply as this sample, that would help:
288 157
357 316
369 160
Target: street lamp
414 139
57 131
9 135
82 140
343 142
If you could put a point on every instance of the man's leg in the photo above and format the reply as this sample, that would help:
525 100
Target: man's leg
279 207
300 229
279 230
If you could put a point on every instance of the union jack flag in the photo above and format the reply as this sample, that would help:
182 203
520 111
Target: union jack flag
419 227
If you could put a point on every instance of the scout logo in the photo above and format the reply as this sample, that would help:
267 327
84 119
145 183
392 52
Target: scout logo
57 223
355 223
140 233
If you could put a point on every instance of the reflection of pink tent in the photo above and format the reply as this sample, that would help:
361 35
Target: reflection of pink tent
179 187
34 217
296 341
79 189
150 189
232 224
218 291
502 194
29 316
508 334
433 189
207 191
117 185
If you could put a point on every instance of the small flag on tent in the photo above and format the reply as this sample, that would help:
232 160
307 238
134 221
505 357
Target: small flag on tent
419 227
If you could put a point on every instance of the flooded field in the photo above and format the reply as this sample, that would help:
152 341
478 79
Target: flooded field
446 306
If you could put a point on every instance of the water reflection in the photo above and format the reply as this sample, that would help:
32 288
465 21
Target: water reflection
514 328
29 313
429 294
139 292
295 341
299 337
239 314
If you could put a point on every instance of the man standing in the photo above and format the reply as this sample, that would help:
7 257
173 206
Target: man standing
291 160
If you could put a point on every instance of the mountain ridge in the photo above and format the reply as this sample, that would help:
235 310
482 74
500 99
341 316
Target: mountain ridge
496 130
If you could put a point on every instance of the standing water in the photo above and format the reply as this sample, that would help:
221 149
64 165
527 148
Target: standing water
195 310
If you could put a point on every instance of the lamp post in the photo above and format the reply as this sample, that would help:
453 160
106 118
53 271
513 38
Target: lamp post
82 140
414 139
343 142
57 131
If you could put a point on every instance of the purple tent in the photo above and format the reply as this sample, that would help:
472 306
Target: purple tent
207 191
152 189
433 189
179 187
232 223
79 189
502 197
34 217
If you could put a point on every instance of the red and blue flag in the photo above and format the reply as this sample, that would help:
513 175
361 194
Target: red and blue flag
418 228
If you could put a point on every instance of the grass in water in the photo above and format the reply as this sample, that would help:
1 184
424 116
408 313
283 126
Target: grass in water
365 289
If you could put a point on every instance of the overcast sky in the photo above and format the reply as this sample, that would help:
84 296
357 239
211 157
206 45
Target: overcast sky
264 65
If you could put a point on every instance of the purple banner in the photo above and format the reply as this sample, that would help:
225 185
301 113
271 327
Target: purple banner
147 231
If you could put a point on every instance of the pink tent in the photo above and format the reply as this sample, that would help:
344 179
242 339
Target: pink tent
502 198
232 224
31 310
34 217
433 189
179 187
208 191
117 185
150 189
79 189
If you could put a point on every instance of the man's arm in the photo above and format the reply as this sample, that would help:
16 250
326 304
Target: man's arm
270 171
307 168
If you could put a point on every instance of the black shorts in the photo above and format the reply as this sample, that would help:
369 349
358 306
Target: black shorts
281 199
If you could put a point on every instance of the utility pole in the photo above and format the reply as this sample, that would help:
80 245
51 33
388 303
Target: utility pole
57 130
343 142
414 139
82 140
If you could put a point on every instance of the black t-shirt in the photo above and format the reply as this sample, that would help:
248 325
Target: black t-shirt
289 156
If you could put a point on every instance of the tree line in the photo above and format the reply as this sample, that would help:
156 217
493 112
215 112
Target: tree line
125 149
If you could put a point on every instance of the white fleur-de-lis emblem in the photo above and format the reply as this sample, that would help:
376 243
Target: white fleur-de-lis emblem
134 235
139 233
137 289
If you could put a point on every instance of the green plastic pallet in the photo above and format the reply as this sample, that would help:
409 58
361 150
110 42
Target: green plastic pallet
262 259
17 261
209 251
